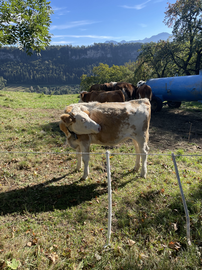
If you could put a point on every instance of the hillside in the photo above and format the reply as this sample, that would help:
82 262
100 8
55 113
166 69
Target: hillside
62 64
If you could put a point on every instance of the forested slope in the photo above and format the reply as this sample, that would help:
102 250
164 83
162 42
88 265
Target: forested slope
61 64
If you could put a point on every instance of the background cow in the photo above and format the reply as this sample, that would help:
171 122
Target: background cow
98 87
128 89
104 86
102 96
143 90
118 122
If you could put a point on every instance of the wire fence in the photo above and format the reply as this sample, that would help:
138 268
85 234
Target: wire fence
96 153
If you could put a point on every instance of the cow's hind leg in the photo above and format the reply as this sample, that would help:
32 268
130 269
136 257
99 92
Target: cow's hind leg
141 149
137 162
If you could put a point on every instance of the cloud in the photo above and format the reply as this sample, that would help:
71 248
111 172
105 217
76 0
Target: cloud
62 42
137 7
142 25
62 10
85 36
72 24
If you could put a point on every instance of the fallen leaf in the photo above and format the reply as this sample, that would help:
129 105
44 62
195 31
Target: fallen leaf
142 256
53 257
175 226
14 264
97 256
29 244
131 242
174 245
67 253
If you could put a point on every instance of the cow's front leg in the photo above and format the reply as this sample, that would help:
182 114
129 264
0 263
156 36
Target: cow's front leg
79 158
85 157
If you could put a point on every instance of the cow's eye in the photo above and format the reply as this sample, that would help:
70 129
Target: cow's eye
83 120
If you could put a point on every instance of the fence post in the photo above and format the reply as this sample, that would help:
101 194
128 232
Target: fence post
183 200
109 199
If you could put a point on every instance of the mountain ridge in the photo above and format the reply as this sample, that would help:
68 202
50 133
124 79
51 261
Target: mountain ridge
154 38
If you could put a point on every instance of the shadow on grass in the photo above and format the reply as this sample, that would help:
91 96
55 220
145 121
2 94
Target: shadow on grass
46 196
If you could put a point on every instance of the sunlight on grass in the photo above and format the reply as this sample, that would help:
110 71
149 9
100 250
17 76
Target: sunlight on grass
50 219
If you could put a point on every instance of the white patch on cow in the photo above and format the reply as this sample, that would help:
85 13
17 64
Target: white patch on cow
140 83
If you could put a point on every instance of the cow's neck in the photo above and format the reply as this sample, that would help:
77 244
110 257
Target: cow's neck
72 133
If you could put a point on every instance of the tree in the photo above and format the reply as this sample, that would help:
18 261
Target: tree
157 58
25 23
2 83
103 73
185 17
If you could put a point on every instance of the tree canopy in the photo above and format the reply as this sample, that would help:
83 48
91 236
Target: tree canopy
185 17
25 23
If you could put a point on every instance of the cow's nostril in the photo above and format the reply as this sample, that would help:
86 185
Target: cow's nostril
99 128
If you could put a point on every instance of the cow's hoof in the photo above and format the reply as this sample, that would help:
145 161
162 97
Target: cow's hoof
136 169
84 178
143 175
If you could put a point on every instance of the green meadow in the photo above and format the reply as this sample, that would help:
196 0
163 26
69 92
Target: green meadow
51 219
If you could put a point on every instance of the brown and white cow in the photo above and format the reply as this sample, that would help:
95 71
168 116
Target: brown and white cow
128 89
118 122
143 90
102 96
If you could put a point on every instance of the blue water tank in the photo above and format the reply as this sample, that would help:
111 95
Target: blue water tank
182 88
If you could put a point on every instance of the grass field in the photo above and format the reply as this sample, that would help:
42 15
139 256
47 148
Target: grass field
50 219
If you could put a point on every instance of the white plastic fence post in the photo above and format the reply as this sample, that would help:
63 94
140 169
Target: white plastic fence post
183 200
109 200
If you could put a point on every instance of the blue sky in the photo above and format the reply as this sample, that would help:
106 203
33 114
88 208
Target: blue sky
85 22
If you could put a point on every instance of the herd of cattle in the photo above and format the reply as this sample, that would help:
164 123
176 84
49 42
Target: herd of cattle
116 92
103 117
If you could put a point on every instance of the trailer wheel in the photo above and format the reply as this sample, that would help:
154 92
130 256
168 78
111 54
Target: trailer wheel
174 104
156 104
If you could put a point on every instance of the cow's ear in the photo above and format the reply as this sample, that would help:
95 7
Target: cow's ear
87 112
66 118
64 128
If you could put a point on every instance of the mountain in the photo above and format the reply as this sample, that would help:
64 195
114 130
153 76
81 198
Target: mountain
155 38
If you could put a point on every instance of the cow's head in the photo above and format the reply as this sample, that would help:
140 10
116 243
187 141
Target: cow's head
82 96
80 123
140 83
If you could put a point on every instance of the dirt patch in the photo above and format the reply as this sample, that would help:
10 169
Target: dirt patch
176 128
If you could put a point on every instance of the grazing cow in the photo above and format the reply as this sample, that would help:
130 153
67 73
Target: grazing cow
98 87
102 96
143 90
128 89
104 87
118 122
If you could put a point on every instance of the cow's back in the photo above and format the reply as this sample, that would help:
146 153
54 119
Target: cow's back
120 121
144 91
